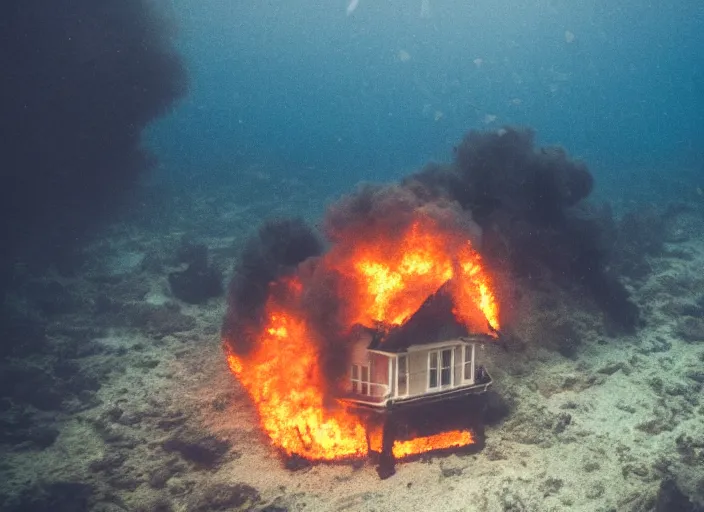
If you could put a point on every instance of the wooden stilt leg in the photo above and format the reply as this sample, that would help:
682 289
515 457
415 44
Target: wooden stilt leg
387 462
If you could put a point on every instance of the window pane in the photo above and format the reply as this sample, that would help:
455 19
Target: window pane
355 378
445 377
446 358
468 362
402 375
433 360
365 373
365 388
433 378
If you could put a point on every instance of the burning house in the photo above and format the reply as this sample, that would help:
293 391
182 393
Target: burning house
431 357
419 387
351 352
370 345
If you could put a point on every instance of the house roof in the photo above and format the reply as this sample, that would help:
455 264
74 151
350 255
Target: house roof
433 322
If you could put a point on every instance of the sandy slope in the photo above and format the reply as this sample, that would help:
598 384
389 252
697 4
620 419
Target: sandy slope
172 430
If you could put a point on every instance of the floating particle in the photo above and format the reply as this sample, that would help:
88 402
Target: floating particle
425 11
352 6
403 56
569 37
478 62
489 118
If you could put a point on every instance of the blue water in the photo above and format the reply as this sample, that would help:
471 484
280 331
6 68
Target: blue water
300 85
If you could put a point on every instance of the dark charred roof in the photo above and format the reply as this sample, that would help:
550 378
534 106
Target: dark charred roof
433 322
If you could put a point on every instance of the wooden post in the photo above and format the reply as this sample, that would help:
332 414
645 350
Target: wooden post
387 462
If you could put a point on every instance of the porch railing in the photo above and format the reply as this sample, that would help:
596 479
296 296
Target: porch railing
378 393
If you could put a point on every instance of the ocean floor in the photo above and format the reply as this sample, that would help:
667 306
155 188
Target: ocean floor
130 404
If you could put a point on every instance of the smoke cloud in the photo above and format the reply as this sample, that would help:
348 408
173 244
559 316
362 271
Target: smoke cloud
276 250
523 208
81 80
372 216
530 205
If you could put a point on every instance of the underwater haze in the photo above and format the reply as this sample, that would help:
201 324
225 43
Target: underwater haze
374 88
351 255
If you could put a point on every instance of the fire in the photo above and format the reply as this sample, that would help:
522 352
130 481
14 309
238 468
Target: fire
423 444
391 276
442 441
383 279
283 378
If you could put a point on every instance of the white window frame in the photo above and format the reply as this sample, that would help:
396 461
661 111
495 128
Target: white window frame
360 386
438 354
469 347
399 391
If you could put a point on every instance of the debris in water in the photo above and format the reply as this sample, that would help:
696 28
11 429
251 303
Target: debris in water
352 6
425 11
403 56
569 37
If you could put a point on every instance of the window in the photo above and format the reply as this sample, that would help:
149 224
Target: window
355 378
440 362
468 363
446 371
365 380
360 379
432 370
402 376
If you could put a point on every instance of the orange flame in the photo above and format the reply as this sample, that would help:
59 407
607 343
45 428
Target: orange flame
391 276
283 378
385 278
442 441
422 444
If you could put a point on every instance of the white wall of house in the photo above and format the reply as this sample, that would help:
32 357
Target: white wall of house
444 370
429 369
418 372
369 372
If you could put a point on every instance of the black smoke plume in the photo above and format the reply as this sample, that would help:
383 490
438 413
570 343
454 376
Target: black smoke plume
389 209
526 206
283 248
80 81
530 204
274 251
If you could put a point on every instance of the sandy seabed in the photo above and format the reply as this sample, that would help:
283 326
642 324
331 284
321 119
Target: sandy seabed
169 428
